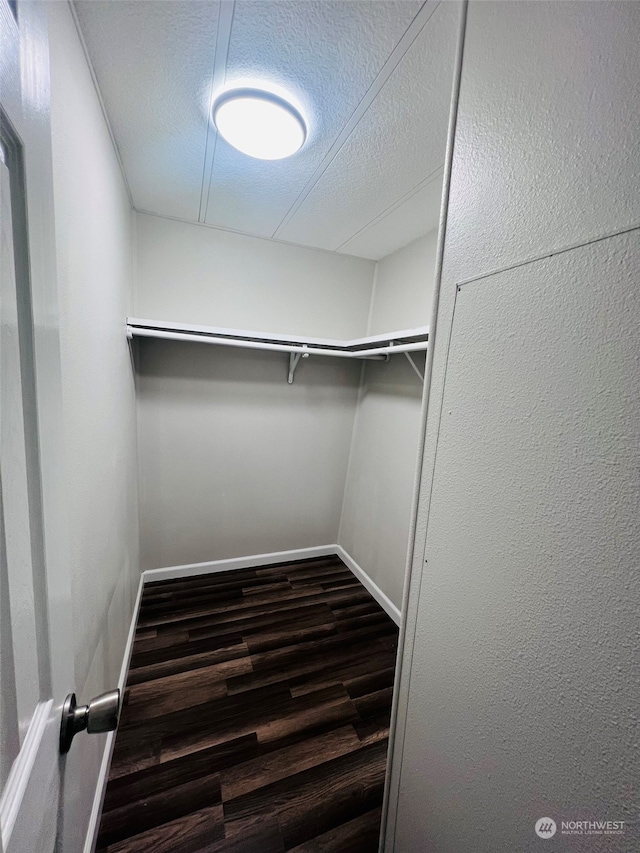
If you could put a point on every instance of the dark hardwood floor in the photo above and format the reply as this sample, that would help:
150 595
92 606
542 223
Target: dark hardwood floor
256 716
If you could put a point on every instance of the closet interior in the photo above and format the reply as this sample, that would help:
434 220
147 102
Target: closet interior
296 425
310 280
278 328
225 229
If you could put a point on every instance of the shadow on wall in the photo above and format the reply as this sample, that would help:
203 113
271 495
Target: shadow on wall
235 461
187 360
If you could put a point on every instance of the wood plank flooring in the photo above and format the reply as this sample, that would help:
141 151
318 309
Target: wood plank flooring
256 716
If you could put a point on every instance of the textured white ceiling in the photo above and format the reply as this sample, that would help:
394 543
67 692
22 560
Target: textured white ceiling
373 77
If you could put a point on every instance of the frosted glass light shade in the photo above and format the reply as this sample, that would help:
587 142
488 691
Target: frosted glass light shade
260 124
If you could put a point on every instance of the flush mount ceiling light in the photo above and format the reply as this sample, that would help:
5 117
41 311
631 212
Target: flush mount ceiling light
258 123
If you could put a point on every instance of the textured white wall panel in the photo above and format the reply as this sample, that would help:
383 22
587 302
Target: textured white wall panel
154 62
327 55
197 274
543 158
523 697
397 144
549 131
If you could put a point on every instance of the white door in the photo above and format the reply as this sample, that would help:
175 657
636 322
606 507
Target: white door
36 669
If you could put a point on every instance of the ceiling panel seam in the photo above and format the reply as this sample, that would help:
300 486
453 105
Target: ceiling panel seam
395 57
98 92
394 206
226 230
218 78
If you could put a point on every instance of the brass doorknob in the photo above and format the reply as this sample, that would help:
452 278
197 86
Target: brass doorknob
100 715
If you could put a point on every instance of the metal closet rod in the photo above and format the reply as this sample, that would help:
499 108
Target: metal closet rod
372 353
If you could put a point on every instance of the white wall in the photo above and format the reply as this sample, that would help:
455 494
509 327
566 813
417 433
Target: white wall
376 515
222 436
94 249
233 460
518 698
403 291
196 274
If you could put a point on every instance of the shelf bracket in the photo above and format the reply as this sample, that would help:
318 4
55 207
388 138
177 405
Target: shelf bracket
415 366
294 358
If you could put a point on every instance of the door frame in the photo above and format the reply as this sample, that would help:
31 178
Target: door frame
415 565
25 95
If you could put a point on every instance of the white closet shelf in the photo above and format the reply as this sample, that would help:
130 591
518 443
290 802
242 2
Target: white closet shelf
298 346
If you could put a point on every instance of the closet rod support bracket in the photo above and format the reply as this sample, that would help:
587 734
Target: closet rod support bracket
294 359
415 367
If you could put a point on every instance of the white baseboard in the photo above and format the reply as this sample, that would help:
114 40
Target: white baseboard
101 785
253 560
383 600
151 575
